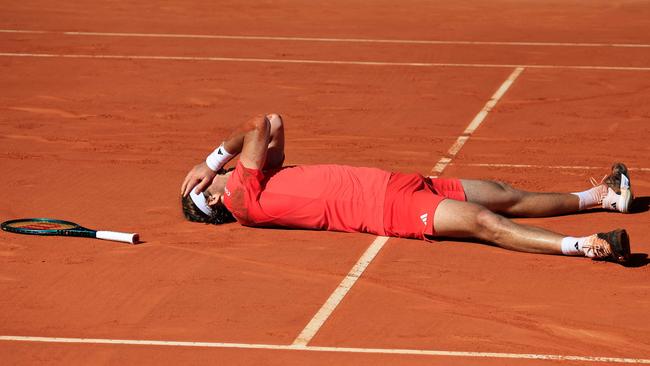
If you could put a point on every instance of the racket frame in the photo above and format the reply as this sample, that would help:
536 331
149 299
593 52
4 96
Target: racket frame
76 230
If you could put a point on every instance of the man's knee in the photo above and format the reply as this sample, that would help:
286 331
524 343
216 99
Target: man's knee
489 225
509 195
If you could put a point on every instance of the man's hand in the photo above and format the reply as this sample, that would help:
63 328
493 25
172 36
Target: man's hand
200 177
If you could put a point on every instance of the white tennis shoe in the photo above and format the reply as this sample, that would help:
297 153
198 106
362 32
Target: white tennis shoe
619 195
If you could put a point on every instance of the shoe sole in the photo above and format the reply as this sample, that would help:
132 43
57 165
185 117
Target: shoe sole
625 201
620 243
614 180
624 241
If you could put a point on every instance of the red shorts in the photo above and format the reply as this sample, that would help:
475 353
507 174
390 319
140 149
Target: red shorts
412 200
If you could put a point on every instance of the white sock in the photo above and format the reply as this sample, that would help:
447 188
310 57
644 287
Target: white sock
573 246
591 197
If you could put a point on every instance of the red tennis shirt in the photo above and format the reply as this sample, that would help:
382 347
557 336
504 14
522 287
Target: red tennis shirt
326 197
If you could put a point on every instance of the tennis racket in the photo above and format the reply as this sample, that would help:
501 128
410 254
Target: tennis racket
65 228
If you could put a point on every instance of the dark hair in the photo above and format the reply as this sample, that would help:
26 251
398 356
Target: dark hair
220 214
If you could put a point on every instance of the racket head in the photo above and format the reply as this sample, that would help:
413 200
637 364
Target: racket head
39 226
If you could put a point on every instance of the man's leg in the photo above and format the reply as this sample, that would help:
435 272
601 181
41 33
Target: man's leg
469 220
502 198
612 194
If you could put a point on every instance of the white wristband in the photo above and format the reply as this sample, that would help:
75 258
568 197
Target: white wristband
218 158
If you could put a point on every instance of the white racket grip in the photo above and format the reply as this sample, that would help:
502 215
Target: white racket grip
131 238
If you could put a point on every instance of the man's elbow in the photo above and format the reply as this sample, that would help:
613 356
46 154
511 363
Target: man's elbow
259 123
275 120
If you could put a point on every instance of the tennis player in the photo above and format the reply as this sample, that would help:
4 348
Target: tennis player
261 192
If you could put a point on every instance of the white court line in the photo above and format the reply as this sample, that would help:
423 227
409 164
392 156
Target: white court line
527 166
326 39
344 287
335 298
320 62
278 347
476 122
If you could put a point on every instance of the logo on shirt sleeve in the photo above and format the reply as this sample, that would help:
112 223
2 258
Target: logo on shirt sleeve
424 217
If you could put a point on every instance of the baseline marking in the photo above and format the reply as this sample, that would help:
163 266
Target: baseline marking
476 122
322 62
326 349
324 39
531 166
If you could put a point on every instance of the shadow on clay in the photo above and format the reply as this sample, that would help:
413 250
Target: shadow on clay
637 260
640 204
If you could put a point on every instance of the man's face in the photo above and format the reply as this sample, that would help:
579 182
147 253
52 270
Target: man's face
214 193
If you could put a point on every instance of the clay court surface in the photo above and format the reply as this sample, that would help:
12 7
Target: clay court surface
104 107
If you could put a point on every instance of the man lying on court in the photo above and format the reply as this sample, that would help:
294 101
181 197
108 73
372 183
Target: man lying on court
261 192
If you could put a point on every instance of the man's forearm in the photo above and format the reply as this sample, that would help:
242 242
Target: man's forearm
251 140
234 144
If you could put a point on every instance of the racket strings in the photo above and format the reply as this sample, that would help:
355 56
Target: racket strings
40 225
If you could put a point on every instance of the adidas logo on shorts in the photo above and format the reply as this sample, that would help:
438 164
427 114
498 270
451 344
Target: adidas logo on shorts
424 217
